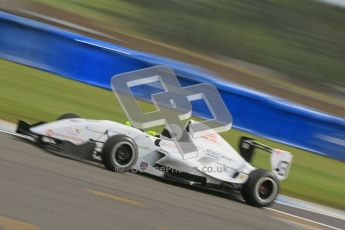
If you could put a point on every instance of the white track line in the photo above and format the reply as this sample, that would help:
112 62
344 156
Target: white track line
311 210
305 219
296 224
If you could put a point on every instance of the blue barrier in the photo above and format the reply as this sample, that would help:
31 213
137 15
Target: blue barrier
95 62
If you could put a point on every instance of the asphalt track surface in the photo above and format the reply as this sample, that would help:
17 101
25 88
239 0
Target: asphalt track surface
39 190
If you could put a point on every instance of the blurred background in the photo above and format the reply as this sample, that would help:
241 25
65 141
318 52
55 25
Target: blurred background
293 49
290 48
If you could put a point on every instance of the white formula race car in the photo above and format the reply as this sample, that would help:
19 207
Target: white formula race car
123 148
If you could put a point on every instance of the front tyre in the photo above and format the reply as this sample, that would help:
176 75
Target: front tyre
119 153
261 188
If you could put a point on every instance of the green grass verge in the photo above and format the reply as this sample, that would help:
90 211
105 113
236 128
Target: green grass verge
33 95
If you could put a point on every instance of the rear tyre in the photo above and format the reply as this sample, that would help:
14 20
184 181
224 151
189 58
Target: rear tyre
119 153
261 188
68 116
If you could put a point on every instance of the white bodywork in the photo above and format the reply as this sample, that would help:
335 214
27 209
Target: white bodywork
216 160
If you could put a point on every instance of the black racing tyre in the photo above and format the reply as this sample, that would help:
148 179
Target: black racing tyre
119 153
68 116
261 188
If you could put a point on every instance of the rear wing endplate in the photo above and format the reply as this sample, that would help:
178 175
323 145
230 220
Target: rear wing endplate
280 160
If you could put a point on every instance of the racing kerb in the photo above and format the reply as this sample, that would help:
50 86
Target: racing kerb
95 62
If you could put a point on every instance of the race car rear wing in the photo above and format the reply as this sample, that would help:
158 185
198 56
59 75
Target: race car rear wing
280 159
